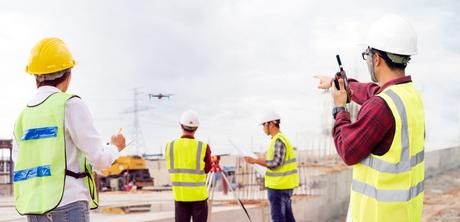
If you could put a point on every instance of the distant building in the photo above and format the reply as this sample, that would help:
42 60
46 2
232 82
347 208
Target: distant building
6 167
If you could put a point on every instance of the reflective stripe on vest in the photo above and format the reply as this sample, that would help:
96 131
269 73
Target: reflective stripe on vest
405 164
273 174
292 160
387 195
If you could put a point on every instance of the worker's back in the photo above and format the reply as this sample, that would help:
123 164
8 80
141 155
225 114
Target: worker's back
185 163
395 178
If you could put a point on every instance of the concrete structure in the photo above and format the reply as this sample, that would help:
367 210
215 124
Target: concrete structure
333 202
336 194
158 171
6 166
439 161
326 206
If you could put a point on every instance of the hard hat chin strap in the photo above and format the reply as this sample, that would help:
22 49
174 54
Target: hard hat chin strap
391 57
189 128
275 122
398 58
52 76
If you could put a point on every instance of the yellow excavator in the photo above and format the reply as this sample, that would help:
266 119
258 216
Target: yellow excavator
126 171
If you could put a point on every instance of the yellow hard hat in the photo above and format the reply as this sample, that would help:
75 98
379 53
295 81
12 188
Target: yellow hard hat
50 55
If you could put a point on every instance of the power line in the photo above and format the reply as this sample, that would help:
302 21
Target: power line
137 108
138 137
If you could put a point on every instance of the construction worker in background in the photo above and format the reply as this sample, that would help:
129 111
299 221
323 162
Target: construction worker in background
281 176
385 144
56 144
188 161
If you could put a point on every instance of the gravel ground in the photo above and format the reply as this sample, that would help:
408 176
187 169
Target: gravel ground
442 197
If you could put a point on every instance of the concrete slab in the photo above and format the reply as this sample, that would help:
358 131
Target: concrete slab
326 206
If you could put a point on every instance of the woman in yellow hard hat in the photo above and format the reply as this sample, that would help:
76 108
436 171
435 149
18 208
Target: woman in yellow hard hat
56 144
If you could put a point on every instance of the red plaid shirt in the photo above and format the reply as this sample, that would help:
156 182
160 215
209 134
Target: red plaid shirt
374 128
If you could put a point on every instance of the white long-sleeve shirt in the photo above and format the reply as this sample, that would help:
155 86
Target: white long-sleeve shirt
80 137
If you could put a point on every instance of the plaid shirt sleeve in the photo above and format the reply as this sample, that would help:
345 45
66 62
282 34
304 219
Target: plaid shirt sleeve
207 160
278 155
369 134
361 92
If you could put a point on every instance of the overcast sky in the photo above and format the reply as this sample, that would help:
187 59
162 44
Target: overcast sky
228 60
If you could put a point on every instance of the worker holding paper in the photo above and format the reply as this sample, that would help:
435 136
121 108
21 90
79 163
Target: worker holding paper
281 176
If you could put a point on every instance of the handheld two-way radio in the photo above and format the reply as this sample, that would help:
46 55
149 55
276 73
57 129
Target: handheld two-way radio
342 75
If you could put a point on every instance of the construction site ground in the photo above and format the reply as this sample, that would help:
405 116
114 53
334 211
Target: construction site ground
442 203
131 206
442 197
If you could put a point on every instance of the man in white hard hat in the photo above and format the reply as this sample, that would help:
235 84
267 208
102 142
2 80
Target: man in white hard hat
385 144
281 176
188 161
56 144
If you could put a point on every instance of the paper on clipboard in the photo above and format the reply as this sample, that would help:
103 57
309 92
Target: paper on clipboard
260 170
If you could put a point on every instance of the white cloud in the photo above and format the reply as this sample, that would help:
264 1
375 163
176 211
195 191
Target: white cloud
229 60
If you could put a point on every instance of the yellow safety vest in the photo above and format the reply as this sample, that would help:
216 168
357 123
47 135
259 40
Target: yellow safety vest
285 176
41 167
185 163
390 187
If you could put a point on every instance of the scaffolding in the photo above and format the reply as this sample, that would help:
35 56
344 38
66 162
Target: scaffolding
312 165
6 167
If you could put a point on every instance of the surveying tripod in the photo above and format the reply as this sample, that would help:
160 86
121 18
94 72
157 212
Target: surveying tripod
211 184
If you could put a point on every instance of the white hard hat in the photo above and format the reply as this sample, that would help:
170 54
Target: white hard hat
393 34
190 118
269 116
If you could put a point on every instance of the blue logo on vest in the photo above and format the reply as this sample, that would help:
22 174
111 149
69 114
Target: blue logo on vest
40 133
40 171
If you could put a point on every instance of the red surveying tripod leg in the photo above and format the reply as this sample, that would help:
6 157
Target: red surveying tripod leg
211 183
